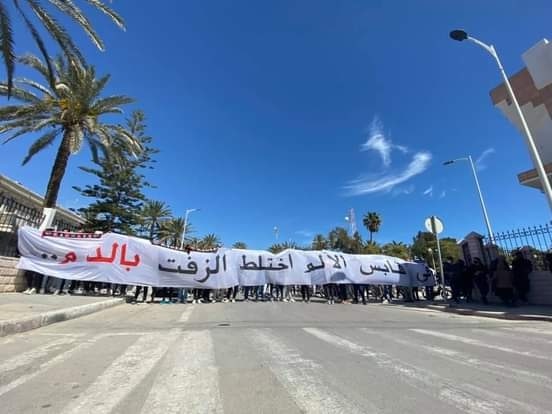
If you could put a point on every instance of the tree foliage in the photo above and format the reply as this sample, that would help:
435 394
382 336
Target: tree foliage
42 11
239 245
118 194
71 107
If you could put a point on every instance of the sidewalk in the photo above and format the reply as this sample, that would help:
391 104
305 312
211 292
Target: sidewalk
492 310
20 312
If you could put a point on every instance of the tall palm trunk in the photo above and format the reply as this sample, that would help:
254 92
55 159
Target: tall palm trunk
371 235
58 170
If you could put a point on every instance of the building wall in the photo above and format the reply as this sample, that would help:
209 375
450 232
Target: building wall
533 88
11 279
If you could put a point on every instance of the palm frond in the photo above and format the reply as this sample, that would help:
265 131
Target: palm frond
69 8
35 85
118 20
6 43
39 42
40 144
111 101
33 62
57 31
19 93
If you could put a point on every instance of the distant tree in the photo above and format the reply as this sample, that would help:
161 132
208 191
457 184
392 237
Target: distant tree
371 247
372 222
209 242
339 240
152 214
170 231
356 244
397 249
277 248
319 242
239 245
424 241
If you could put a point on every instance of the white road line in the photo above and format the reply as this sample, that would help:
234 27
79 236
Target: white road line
508 335
28 357
49 364
188 379
477 342
186 314
462 396
465 359
125 373
301 377
525 329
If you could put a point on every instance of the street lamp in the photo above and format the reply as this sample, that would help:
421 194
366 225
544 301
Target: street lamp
276 231
191 210
461 35
483 207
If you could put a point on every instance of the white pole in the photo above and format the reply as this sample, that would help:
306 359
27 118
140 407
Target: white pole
184 231
439 255
485 215
539 166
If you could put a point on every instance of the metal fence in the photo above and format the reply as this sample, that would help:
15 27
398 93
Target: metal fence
534 242
14 215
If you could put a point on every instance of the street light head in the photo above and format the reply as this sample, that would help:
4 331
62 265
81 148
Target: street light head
458 35
448 162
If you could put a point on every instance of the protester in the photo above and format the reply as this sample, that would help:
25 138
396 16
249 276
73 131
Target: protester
521 268
480 277
504 281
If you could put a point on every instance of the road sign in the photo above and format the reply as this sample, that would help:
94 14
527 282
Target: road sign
434 225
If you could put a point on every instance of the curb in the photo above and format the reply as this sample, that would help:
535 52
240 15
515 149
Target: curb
490 314
14 326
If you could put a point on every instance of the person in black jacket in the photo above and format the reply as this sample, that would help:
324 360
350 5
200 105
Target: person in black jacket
480 277
521 267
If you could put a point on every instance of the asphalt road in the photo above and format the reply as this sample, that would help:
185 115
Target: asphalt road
277 358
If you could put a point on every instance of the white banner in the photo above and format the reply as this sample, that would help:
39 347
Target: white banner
114 258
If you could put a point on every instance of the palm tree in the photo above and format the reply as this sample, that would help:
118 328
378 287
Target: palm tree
371 247
319 242
52 26
239 245
209 242
71 109
372 222
338 239
170 231
152 214
397 249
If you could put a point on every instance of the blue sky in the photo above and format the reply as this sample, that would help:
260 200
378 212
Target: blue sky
289 113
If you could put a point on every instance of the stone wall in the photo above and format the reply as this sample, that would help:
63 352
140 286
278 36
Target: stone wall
11 279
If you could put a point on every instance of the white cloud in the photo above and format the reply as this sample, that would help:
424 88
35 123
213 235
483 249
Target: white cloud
443 194
403 190
480 162
378 142
429 191
420 162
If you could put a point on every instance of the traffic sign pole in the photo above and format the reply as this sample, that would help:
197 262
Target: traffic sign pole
434 227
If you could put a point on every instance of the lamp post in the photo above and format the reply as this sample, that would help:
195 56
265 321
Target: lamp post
483 207
460 35
191 210
276 231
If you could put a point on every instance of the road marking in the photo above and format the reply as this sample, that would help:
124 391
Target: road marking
28 357
505 335
186 314
123 375
49 364
301 377
471 362
476 342
530 330
188 379
464 397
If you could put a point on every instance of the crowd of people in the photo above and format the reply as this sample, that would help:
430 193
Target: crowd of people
509 283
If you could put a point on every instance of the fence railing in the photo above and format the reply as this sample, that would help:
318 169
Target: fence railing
14 215
535 243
